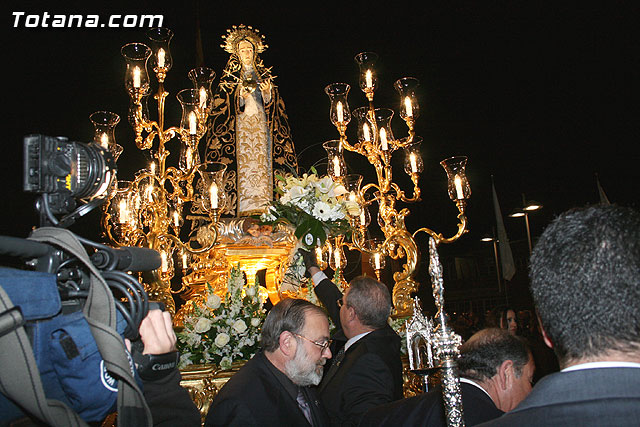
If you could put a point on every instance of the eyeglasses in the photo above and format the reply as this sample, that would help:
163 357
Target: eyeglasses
323 344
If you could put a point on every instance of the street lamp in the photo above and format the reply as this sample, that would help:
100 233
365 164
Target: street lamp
494 240
527 208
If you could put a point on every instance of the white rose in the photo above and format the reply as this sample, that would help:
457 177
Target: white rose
255 322
239 326
213 301
250 291
225 362
203 325
222 339
353 208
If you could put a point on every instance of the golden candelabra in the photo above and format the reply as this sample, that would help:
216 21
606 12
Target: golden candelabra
377 143
149 210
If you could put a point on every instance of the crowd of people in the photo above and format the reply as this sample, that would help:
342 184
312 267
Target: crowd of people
585 281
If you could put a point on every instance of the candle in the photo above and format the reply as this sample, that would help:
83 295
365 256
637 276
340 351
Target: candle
336 257
318 253
149 192
152 168
383 139
365 131
213 194
336 166
192 123
340 112
368 79
414 164
203 98
136 77
124 213
176 219
363 218
184 260
165 265
188 155
376 260
104 140
458 183
407 106
161 58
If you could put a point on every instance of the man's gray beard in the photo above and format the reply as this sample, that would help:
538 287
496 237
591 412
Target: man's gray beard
299 371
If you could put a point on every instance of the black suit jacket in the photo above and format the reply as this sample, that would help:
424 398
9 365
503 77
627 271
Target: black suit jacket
254 396
587 397
428 409
370 373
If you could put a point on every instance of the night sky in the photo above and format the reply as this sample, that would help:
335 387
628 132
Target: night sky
540 95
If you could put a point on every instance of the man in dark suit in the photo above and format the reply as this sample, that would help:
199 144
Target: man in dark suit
495 368
367 369
585 280
273 388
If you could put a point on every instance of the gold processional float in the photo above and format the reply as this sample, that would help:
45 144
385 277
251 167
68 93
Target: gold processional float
153 208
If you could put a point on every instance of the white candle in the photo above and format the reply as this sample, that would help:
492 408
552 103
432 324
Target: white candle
184 260
161 58
383 139
368 79
192 123
458 183
124 213
407 106
376 260
363 218
165 265
213 194
203 98
136 77
176 219
336 257
336 166
104 140
340 112
365 131
152 168
150 192
414 164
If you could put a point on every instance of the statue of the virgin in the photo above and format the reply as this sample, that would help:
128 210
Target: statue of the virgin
248 129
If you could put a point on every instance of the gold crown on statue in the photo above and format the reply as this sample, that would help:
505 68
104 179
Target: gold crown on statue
237 33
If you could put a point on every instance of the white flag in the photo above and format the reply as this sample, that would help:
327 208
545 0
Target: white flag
506 257
604 200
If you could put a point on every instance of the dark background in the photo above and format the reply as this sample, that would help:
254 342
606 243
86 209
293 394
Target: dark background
540 95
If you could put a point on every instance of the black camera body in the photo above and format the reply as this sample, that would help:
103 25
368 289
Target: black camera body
65 170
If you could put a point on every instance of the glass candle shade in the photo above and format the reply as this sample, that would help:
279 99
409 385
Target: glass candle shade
136 79
190 121
104 124
384 134
160 38
366 131
412 159
458 186
377 259
212 185
336 166
366 62
409 107
339 112
202 77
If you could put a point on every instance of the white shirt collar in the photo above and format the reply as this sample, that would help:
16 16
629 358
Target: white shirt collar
468 381
596 365
353 340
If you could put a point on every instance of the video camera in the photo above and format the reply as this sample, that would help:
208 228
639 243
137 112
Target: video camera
55 302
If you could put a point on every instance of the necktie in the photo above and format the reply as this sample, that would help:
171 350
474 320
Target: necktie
336 362
304 405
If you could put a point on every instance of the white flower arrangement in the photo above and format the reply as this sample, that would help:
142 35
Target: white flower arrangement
313 205
223 330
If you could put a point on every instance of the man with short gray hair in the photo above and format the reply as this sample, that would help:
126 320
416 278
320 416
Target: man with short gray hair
495 369
367 369
272 389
